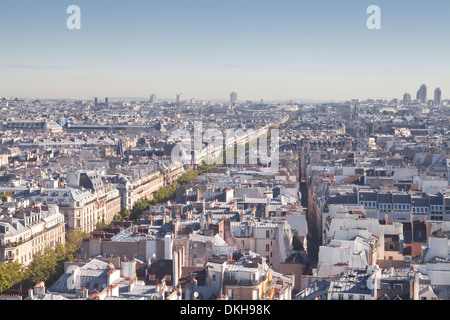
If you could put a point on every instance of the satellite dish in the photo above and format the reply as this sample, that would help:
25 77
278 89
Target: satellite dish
196 295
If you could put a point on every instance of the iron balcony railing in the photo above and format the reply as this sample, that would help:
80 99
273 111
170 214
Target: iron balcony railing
243 282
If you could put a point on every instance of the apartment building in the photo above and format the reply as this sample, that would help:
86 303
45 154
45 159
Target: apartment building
139 185
271 240
396 206
29 230
245 279
86 201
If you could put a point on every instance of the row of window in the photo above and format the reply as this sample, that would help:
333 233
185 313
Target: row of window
385 206
350 297
232 295
395 286
401 206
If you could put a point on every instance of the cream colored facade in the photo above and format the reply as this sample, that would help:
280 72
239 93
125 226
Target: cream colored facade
271 240
140 189
88 209
25 234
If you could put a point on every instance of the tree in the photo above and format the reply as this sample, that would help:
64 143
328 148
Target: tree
187 177
10 275
47 265
43 266
138 209
124 214
73 241
100 225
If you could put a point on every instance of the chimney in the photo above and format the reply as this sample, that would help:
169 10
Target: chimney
131 285
39 289
416 286
180 261
179 293
183 257
82 293
175 268
30 294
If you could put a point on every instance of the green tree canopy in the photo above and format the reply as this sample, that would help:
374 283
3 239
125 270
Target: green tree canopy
10 275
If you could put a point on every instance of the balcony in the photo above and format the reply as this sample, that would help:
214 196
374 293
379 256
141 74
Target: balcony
227 281
34 236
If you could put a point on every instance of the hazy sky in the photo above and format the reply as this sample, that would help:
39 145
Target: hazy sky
277 49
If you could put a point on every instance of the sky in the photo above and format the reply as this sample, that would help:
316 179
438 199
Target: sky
261 49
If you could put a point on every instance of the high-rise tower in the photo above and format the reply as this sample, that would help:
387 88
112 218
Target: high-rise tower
422 94
437 97
233 97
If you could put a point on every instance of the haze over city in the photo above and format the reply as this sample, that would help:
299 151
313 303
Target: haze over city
217 153
287 49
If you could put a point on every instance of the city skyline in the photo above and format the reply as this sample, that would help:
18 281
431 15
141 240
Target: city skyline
225 152
422 97
266 50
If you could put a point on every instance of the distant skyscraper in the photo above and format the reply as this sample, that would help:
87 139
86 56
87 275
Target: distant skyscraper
422 94
98 104
153 98
406 98
437 97
233 97
179 97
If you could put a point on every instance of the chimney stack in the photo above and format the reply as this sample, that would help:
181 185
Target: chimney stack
30 294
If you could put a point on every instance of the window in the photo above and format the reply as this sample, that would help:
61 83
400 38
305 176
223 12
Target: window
397 286
340 296
230 294
267 234
267 247
385 286
361 297
350 297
